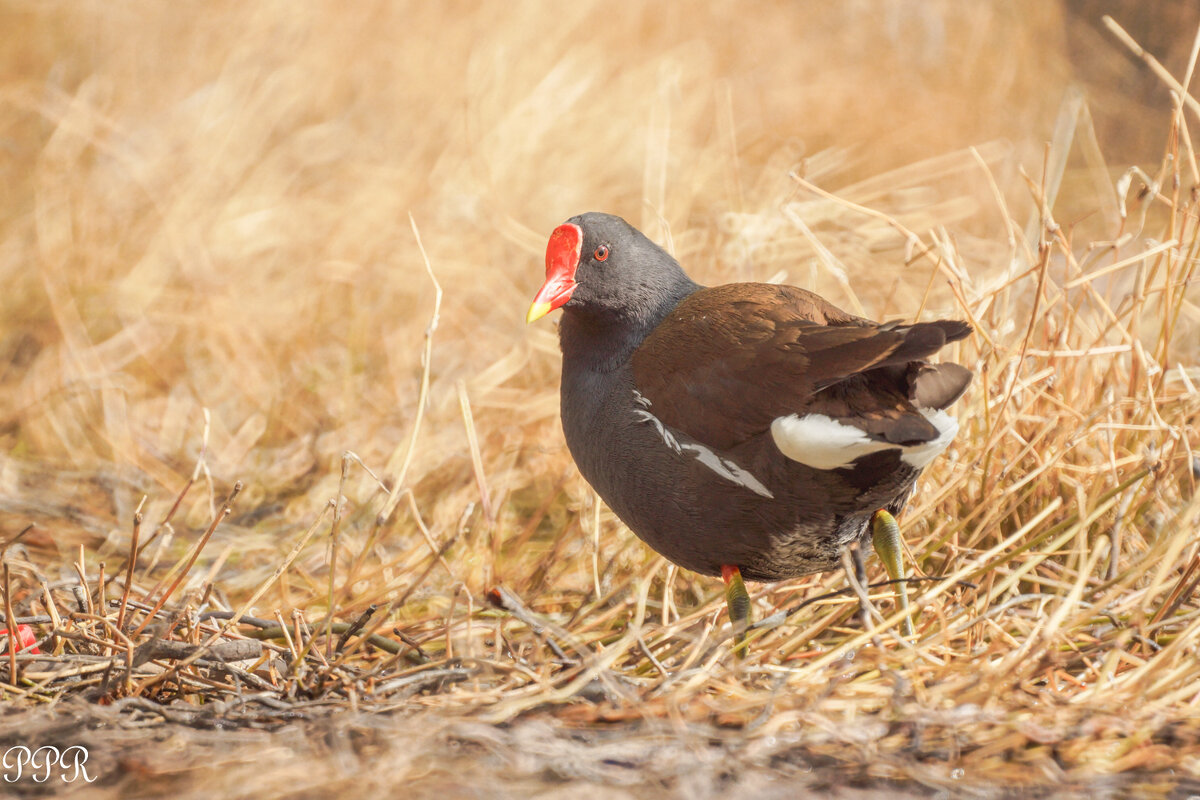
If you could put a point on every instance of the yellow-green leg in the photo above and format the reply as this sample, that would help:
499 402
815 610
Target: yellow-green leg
738 600
885 536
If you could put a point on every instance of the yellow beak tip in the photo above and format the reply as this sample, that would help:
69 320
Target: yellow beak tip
537 311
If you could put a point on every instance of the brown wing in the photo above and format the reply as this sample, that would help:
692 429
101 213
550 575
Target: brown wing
730 359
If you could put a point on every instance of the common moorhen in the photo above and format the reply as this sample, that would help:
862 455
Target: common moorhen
741 430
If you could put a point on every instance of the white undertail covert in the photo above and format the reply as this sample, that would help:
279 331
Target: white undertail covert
822 442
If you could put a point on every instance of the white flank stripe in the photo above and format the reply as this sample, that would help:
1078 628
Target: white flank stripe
726 468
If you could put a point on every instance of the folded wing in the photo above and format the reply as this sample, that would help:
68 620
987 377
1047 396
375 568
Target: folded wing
787 353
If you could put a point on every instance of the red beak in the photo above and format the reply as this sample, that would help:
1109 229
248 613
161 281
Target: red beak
562 259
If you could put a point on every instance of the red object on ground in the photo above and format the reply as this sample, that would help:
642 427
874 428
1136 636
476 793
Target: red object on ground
24 636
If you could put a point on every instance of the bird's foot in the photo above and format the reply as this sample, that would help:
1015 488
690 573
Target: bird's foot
738 600
885 536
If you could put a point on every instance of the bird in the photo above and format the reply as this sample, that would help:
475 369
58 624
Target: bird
751 431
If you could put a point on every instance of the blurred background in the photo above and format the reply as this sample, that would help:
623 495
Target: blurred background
207 207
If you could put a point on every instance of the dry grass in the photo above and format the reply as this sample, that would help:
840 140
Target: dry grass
292 251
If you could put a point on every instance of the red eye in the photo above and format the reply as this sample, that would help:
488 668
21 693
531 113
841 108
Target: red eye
601 252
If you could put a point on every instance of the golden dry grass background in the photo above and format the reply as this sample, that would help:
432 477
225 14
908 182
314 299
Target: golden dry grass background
209 267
